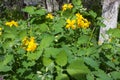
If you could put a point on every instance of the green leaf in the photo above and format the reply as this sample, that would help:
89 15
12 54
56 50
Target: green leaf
111 64
70 56
47 61
62 77
98 79
101 24
90 77
51 52
107 46
22 34
114 32
28 64
40 12
102 75
77 2
34 56
21 71
30 76
43 27
46 41
78 69
8 44
90 50
61 58
91 62
8 59
57 26
93 14
5 68
83 39
9 35
59 69
29 9
115 75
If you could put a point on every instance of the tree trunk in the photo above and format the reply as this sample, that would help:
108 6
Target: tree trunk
50 5
54 5
110 15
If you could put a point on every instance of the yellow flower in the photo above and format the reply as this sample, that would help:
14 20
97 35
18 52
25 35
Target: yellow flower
25 41
30 44
11 23
67 6
70 6
0 28
86 23
14 23
0 31
79 16
82 22
32 39
64 7
8 24
70 24
50 16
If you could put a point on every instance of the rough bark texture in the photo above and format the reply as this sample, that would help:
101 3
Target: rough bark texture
110 15
50 5
54 5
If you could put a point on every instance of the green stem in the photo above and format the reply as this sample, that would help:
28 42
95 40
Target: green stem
92 34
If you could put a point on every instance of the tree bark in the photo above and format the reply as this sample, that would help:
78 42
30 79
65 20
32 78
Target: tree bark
50 5
110 15
54 5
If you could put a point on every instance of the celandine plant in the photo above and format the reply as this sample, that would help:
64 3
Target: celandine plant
58 46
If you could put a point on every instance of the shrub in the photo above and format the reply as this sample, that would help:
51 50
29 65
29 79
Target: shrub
57 46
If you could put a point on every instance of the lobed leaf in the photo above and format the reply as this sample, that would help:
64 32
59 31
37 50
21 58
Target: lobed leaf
62 77
78 69
61 58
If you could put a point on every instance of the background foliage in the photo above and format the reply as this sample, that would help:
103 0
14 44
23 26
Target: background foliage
61 54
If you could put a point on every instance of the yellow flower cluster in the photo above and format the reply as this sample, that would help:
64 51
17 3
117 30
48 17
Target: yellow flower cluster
82 22
49 16
67 6
0 31
79 22
11 23
29 44
70 24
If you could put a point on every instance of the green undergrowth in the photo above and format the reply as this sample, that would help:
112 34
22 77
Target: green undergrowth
57 52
